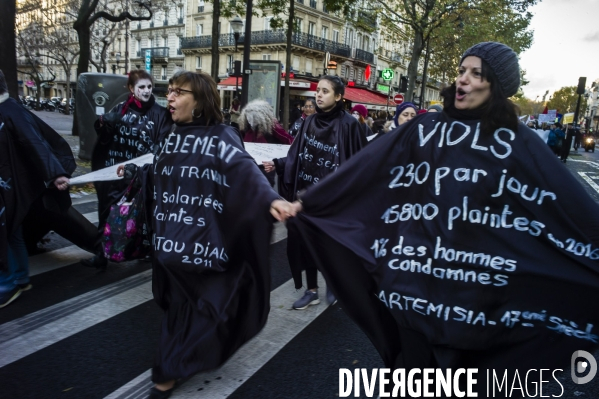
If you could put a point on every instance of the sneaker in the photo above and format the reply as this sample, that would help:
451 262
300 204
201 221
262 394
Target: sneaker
25 287
309 298
331 297
9 296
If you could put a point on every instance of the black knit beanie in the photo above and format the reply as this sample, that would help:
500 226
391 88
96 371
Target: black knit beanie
502 60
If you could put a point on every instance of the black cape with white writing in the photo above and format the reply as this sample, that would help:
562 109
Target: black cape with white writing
510 279
32 155
211 239
139 130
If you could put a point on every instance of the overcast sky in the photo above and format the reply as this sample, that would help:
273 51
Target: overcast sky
565 46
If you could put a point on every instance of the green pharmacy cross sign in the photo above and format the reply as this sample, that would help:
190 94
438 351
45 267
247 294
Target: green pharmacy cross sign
387 74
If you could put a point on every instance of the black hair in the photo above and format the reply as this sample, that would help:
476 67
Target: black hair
497 112
3 85
337 83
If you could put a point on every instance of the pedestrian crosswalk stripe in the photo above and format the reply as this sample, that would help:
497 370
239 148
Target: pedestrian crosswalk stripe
56 259
282 326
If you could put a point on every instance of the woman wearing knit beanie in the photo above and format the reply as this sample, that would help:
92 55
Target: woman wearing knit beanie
401 230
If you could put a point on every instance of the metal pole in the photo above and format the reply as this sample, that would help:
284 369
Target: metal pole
127 39
247 42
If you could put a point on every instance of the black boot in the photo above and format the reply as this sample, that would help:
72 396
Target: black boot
156 393
97 262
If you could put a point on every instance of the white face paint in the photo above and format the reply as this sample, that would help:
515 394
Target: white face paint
143 90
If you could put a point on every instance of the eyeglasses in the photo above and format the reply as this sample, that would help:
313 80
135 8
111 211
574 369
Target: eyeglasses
308 106
177 91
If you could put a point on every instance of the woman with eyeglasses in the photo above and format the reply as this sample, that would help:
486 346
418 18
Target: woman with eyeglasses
309 109
131 129
325 141
211 271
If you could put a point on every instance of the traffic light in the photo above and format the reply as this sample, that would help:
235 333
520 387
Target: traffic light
403 83
237 68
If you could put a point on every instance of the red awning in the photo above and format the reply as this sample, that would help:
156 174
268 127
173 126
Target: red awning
366 97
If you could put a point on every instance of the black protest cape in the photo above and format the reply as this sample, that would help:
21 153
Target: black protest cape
140 129
324 141
484 248
31 155
212 227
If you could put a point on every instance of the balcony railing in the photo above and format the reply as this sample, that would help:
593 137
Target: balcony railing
367 18
395 57
364 56
157 52
272 37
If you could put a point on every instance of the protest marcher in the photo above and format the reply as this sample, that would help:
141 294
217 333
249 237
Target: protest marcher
33 158
567 142
258 124
235 112
296 112
404 112
555 138
455 242
327 139
309 108
435 108
211 271
131 129
377 125
360 112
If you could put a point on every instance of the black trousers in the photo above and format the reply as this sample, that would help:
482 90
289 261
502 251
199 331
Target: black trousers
566 144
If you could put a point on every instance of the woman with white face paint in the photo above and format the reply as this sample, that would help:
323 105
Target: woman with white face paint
131 129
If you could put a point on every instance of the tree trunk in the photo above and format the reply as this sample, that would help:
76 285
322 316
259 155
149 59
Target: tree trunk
8 61
287 92
84 46
215 34
67 109
413 66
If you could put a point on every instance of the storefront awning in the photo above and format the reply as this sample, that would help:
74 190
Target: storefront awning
367 98
295 84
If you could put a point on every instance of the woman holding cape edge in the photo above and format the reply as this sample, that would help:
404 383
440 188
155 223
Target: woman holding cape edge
452 241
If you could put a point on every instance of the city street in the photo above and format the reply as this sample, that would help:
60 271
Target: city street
79 333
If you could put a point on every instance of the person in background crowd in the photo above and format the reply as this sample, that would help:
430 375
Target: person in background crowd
258 124
377 125
215 298
404 112
370 120
235 111
555 138
296 111
131 129
577 138
372 263
567 142
309 108
360 112
435 108
326 140
32 157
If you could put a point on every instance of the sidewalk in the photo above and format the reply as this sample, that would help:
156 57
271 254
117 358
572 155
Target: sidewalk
63 124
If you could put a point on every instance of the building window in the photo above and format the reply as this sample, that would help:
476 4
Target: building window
311 28
163 73
229 63
267 23
296 63
325 32
199 29
309 66
198 62
201 6
336 36
265 57
298 25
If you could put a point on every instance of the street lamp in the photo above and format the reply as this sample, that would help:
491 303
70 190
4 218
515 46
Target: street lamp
237 26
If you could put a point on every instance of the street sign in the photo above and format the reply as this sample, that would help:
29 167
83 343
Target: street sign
148 60
398 99
387 74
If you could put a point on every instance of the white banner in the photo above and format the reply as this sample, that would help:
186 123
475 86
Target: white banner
259 151
266 152
109 173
